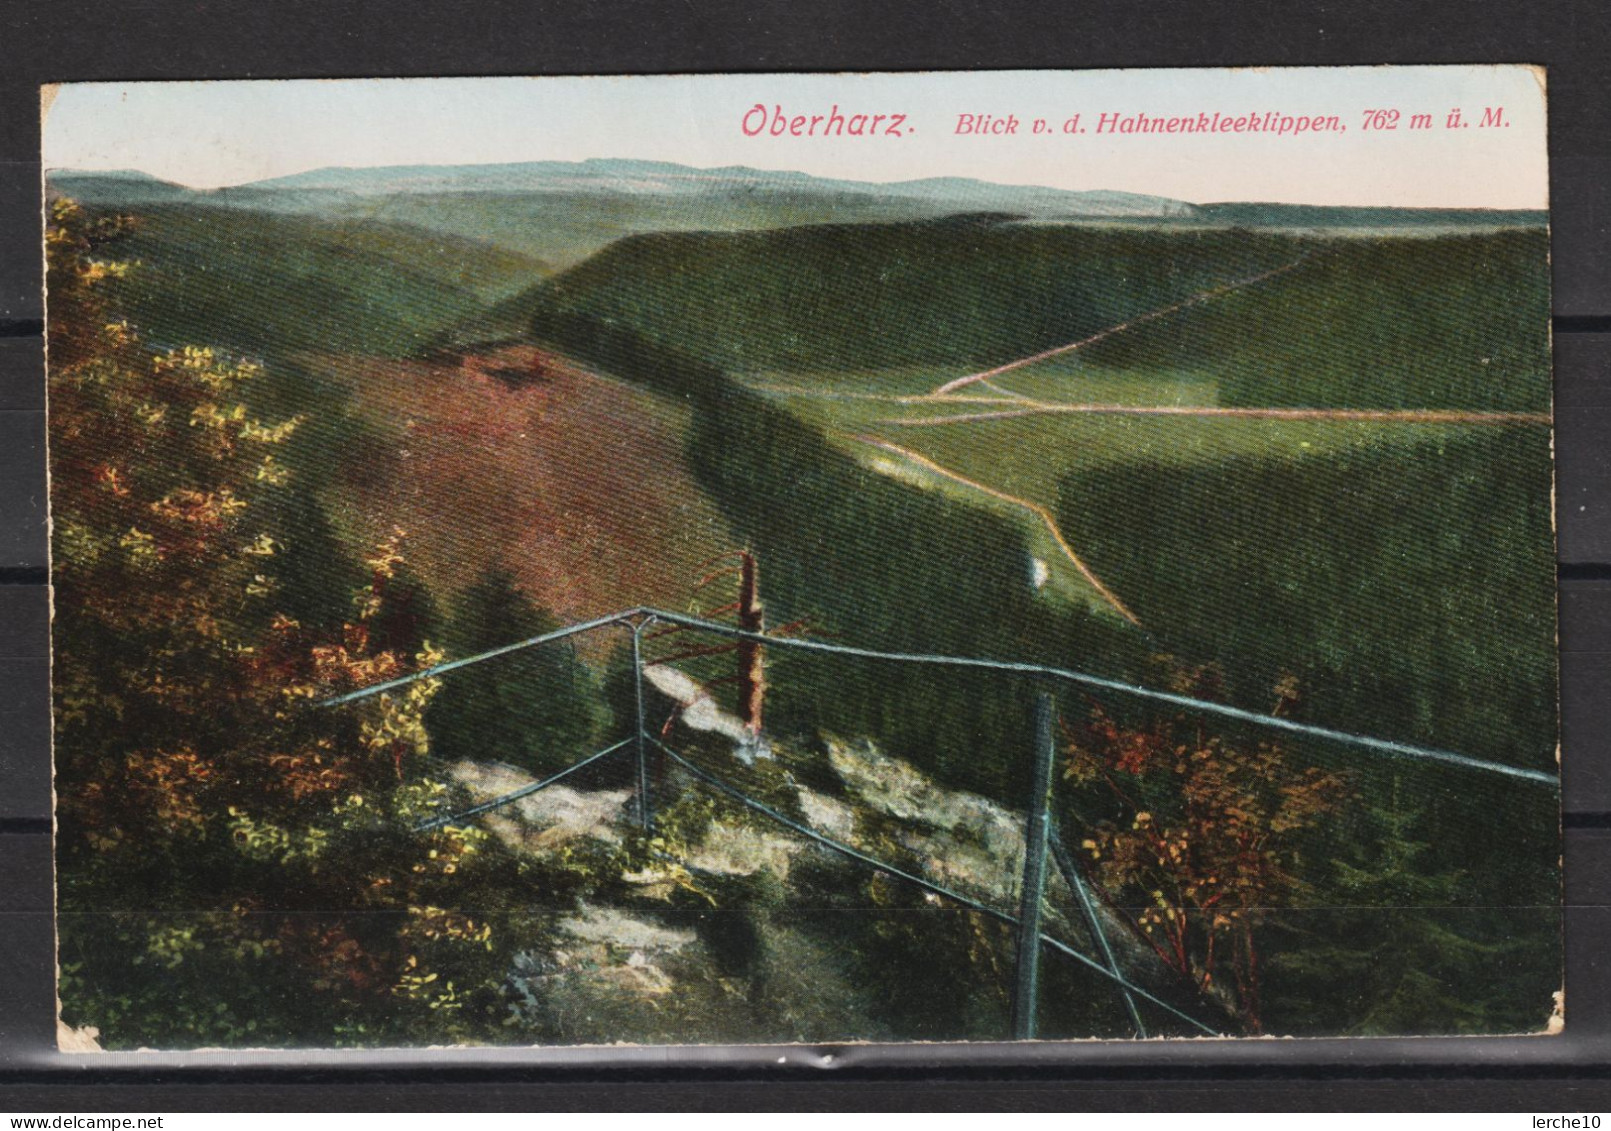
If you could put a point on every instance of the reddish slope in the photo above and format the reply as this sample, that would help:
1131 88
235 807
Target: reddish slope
573 481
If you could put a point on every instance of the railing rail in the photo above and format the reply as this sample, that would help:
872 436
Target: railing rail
515 795
630 617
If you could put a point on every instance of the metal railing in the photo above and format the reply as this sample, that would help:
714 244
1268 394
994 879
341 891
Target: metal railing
1041 837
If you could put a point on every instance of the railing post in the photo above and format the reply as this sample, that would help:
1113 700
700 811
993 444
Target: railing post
1026 993
751 660
1093 922
645 801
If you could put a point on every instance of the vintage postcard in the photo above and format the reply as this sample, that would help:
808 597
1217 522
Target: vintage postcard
803 558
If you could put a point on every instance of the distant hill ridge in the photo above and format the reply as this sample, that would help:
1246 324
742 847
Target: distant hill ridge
664 178
332 187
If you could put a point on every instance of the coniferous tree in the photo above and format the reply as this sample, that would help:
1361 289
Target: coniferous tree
536 708
1393 947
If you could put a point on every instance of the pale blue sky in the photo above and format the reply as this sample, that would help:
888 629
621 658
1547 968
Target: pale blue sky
207 134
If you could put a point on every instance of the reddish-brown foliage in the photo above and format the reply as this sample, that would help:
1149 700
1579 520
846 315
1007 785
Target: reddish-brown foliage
1205 841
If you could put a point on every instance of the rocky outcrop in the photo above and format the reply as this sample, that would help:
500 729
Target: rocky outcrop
609 961
548 818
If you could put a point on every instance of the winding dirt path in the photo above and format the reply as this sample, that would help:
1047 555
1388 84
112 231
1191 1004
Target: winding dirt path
1035 509
1018 405
1027 407
1149 316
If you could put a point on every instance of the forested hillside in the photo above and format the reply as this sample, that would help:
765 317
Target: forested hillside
275 284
